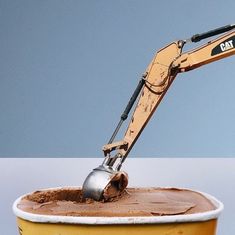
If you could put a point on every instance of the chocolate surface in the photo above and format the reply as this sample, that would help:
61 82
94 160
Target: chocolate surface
133 202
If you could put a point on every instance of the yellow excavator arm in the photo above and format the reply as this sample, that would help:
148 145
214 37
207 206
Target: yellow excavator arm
159 75
107 180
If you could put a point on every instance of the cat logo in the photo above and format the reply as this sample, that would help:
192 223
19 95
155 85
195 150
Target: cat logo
226 45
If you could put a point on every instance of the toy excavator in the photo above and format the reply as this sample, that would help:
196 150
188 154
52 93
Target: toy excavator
107 180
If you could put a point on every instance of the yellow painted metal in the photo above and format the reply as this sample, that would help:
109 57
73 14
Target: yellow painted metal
189 228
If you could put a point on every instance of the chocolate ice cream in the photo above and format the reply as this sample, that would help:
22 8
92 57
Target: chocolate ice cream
132 202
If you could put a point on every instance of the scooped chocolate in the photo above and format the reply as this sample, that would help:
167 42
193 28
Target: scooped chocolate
116 186
132 202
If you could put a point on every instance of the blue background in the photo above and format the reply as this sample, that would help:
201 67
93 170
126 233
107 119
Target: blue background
68 68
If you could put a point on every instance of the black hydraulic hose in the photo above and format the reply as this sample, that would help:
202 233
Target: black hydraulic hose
132 99
128 108
199 37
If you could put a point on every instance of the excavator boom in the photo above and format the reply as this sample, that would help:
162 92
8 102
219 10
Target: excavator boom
217 49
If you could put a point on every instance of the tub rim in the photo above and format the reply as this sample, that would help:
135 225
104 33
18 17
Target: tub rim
102 220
